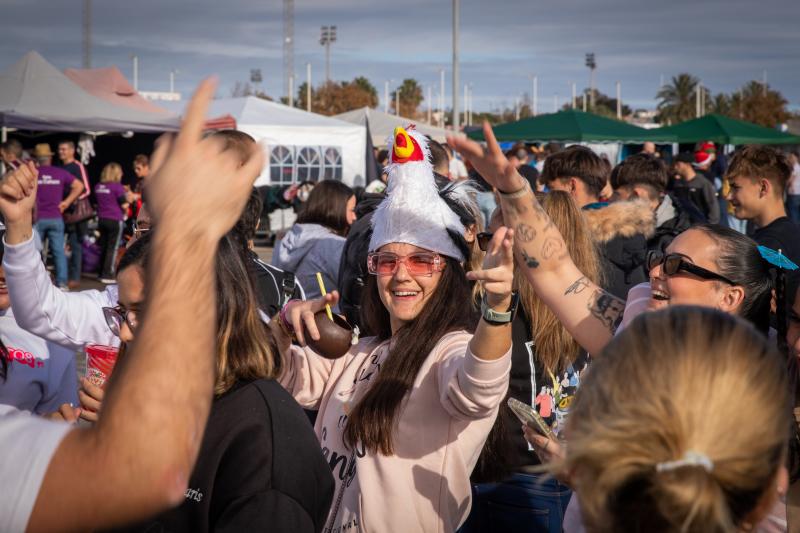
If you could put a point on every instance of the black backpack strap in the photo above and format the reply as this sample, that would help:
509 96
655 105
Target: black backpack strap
288 284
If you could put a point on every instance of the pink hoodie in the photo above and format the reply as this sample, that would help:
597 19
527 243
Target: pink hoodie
440 431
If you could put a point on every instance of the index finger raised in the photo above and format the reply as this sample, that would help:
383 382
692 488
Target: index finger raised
193 120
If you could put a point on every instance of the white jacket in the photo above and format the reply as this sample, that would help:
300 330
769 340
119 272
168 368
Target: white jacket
71 320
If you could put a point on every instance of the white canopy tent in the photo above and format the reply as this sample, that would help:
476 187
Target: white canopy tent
382 125
301 146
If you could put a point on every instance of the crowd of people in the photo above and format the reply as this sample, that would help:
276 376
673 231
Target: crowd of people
644 315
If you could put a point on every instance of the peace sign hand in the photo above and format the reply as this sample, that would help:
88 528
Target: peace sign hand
489 161
497 273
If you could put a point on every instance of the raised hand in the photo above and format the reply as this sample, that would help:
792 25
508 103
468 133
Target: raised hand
497 272
196 186
489 161
18 193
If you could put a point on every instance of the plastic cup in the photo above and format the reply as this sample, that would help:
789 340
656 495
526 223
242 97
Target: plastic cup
100 361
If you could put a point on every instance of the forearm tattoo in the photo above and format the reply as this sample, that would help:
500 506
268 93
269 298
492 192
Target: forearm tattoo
530 262
525 232
607 308
578 286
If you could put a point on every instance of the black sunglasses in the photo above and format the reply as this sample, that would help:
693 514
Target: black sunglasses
484 238
674 263
115 316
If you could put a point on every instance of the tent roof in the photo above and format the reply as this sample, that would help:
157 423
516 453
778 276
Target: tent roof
382 125
110 85
576 126
250 110
35 95
726 130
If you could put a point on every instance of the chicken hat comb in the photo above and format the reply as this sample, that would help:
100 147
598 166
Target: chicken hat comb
413 211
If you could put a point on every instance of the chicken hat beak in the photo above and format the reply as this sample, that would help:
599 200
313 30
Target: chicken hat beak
405 148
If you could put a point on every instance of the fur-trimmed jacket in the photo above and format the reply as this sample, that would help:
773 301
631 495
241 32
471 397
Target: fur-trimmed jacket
621 230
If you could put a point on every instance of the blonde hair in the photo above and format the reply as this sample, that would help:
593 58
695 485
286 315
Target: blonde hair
555 347
679 381
112 173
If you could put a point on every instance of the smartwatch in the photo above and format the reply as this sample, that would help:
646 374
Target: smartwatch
496 318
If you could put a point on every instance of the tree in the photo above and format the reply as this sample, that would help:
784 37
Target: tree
410 98
604 105
333 98
241 89
678 99
761 105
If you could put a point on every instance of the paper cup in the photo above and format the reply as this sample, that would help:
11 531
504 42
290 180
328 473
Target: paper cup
100 361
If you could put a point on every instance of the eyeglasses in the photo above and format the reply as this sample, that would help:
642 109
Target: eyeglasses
417 264
674 263
484 238
139 228
115 316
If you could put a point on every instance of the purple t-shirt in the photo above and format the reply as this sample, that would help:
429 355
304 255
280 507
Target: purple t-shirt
108 196
54 185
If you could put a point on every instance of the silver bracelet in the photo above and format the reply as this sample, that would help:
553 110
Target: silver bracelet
516 194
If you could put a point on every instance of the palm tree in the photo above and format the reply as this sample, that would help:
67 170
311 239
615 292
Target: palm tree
678 99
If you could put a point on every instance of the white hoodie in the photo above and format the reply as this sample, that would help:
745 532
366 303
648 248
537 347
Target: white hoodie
71 320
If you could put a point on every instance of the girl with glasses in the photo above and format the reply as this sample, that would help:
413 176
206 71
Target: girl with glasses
403 415
259 466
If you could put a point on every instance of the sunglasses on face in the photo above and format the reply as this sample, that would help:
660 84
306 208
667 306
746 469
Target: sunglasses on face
484 238
140 228
115 316
417 264
671 264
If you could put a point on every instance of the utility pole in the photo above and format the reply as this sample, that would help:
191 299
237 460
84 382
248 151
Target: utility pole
308 87
555 103
172 80
697 100
619 100
441 97
327 37
397 101
288 49
466 104
534 93
456 84
386 97
430 102
470 104
590 62
765 82
87 33
135 72
584 102
574 94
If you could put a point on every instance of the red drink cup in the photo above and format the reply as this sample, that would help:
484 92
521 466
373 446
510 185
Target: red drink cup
100 362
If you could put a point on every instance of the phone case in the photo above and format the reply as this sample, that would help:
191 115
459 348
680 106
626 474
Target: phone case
528 416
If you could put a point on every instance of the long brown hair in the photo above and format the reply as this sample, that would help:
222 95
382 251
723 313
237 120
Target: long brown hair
679 381
555 347
245 348
372 420
327 206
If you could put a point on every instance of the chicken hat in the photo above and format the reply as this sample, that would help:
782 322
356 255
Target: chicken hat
415 211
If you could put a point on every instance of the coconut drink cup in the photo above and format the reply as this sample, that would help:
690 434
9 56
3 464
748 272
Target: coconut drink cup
335 336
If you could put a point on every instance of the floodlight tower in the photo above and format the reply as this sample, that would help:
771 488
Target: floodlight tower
327 36
590 62
87 33
288 48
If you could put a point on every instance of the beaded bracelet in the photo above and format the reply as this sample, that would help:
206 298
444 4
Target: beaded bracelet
285 324
516 194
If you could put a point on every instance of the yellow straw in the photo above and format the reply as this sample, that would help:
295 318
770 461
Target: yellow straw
324 293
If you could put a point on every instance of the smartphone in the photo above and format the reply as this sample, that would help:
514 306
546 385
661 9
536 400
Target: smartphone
528 416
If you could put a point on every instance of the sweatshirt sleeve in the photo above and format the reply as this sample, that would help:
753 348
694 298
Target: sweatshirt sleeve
305 375
710 196
71 320
469 387
62 386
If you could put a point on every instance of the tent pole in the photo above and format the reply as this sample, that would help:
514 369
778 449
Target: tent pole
3 134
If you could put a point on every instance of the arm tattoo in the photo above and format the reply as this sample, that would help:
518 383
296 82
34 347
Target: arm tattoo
525 232
551 247
578 286
607 308
530 262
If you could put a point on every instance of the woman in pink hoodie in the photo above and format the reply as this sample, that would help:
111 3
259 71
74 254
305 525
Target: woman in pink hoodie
404 414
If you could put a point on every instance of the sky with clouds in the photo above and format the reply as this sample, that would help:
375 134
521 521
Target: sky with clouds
503 42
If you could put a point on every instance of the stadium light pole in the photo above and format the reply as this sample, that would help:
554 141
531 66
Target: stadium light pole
327 37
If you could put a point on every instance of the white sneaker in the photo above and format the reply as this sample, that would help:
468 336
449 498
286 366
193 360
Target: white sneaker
63 288
107 281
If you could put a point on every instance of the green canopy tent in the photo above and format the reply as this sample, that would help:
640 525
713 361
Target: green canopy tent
726 130
575 126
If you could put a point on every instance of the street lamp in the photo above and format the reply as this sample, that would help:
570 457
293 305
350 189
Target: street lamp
327 36
135 72
590 62
172 79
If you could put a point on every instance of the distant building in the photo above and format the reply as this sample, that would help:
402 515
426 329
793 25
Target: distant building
158 95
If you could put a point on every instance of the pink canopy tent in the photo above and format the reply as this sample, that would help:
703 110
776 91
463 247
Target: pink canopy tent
110 85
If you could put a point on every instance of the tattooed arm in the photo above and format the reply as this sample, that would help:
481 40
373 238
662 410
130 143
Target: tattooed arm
589 313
